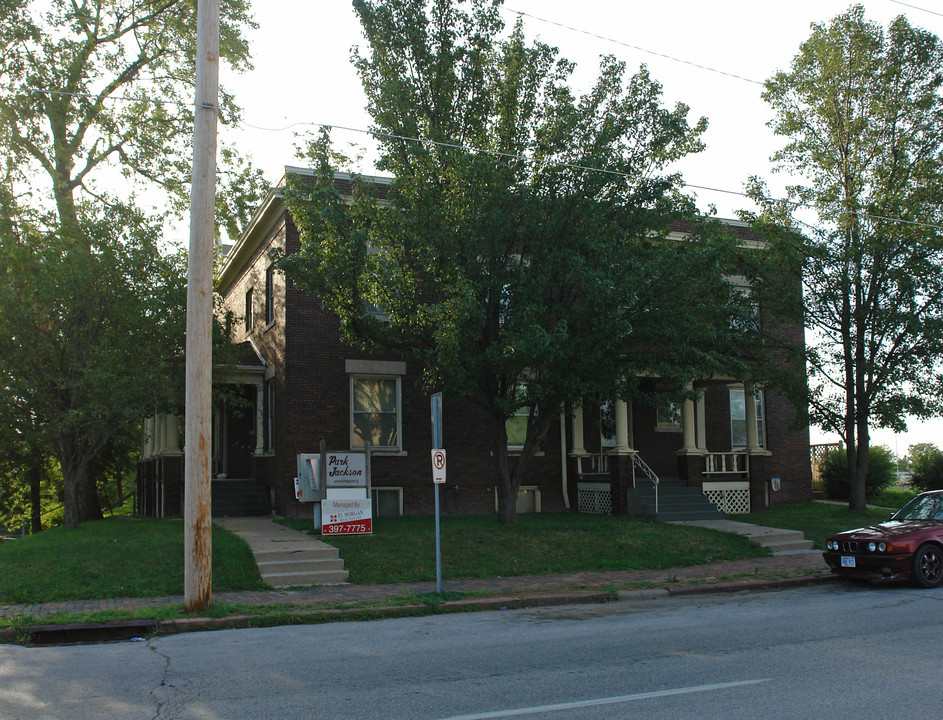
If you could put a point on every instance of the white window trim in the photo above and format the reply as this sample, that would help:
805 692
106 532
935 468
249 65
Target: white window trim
390 449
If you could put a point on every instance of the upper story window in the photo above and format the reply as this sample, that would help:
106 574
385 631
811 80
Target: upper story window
751 319
270 295
248 315
375 412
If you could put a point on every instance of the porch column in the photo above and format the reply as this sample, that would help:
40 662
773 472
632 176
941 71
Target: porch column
688 426
749 403
623 444
259 415
701 411
171 434
149 437
578 447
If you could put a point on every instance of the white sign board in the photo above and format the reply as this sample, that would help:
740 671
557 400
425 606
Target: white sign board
345 470
438 466
346 516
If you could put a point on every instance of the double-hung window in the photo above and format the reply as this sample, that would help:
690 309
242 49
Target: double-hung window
738 419
248 315
269 295
516 425
375 412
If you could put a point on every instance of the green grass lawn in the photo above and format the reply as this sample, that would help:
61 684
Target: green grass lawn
817 520
121 556
402 549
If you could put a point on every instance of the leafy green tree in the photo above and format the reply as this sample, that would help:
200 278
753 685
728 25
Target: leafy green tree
518 276
882 471
90 339
926 463
862 111
95 90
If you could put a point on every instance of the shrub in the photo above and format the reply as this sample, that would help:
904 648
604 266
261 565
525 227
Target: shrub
834 469
926 461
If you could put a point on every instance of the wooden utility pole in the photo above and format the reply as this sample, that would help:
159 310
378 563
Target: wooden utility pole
199 360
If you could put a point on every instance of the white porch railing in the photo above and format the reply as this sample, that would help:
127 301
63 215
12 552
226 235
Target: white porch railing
730 463
592 464
598 464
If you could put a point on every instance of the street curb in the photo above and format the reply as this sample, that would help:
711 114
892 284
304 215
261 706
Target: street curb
758 584
297 616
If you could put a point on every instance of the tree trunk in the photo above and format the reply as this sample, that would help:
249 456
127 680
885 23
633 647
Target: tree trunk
80 493
507 493
35 491
509 483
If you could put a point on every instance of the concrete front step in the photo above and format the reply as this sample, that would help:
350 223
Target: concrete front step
782 541
286 557
298 552
286 565
779 542
319 577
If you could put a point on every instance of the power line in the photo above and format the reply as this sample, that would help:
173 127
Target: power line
706 68
471 149
932 12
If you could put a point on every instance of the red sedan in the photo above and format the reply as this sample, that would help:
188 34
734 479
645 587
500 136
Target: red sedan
909 545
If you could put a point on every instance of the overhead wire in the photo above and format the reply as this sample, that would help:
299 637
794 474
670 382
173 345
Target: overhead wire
495 153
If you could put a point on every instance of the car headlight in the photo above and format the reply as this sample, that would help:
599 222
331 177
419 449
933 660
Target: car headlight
882 547
872 546
832 545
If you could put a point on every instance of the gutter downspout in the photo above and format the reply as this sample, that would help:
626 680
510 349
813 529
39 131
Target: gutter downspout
566 494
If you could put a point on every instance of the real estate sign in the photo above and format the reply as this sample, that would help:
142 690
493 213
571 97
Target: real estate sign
346 515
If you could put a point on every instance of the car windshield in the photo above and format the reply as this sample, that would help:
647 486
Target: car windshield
922 507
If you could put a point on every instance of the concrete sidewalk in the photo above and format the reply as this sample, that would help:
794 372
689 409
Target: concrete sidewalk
753 573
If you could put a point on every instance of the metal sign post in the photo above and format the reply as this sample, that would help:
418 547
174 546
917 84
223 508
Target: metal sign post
438 458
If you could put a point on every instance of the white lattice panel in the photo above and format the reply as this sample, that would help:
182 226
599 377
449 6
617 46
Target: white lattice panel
595 501
730 501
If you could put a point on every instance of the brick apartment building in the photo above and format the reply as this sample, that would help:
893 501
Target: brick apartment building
299 384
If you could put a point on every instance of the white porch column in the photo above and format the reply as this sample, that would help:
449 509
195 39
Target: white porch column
149 437
749 403
158 434
259 415
171 434
623 443
701 411
688 425
578 447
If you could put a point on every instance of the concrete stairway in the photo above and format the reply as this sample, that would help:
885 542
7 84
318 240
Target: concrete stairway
676 501
780 542
286 557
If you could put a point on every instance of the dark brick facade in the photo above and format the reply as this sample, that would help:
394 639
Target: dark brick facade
307 364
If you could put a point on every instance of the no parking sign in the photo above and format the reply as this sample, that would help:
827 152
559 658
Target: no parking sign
438 466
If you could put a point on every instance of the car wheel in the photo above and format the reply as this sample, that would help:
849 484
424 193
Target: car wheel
927 569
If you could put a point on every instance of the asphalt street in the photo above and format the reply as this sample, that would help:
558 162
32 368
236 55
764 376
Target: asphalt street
830 651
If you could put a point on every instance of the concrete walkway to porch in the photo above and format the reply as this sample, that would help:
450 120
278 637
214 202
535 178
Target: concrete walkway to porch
286 557
780 542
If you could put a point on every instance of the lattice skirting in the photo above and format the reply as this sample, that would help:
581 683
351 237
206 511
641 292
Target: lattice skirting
594 498
731 498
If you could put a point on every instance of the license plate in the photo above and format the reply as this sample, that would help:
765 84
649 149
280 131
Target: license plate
847 561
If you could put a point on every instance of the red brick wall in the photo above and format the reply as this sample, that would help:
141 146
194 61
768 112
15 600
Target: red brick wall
313 403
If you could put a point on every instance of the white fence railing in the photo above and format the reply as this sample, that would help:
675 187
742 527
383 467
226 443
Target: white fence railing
730 463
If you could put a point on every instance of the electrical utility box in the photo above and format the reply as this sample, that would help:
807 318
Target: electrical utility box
308 481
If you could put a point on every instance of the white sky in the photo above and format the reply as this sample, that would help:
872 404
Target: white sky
303 78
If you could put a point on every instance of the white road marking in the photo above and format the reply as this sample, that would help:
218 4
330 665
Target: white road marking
606 701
